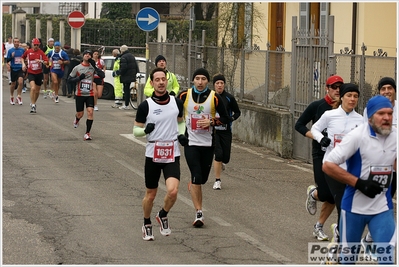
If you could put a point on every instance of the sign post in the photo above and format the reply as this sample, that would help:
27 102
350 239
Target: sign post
76 20
147 19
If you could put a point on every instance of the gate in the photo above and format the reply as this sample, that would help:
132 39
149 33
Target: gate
311 65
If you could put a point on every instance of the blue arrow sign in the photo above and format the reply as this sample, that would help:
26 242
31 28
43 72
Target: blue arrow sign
147 19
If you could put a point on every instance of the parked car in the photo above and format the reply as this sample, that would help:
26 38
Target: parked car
108 91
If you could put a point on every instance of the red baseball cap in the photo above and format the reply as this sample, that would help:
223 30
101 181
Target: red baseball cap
334 79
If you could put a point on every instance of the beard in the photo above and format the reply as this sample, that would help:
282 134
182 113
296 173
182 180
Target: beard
379 129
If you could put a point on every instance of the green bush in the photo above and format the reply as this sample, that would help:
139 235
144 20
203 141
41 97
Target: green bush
115 32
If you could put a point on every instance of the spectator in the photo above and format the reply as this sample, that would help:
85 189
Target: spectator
127 71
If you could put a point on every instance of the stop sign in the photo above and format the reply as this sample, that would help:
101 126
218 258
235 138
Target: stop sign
76 19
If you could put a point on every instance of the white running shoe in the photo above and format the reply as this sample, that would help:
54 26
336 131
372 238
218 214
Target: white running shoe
147 232
12 101
217 185
95 108
19 99
311 205
163 225
75 123
368 249
124 107
335 232
319 234
199 219
56 99
87 137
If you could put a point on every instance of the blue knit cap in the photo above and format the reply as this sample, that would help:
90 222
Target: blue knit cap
376 103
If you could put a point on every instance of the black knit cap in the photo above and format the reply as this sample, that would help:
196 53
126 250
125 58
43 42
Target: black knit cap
201 71
218 77
385 81
158 58
348 87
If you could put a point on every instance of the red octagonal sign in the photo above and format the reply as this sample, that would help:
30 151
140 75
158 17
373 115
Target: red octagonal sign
76 19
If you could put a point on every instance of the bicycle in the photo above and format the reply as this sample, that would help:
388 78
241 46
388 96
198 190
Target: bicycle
134 93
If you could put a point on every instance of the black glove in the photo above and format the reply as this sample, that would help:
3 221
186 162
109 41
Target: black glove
325 141
368 187
172 93
93 63
183 140
82 76
114 74
117 73
149 128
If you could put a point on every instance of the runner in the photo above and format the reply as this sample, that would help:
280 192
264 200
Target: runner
58 58
14 59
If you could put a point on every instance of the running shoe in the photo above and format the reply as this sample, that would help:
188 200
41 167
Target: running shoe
19 99
56 100
124 107
335 232
33 108
319 234
331 257
199 219
95 108
117 105
368 249
24 90
87 137
147 232
217 185
44 94
311 205
12 101
75 123
163 225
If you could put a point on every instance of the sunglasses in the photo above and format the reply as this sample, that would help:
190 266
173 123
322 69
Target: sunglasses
35 45
334 86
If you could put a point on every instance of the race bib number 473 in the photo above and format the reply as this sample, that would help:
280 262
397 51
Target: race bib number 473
381 175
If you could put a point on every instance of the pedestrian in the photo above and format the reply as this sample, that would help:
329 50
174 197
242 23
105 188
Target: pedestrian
46 67
35 58
160 119
127 71
200 107
370 154
83 75
64 84
223 133
98 81
320 191
75 60
173 84
25 46
14 60
118 86
7 46
387 88
338 122
59 59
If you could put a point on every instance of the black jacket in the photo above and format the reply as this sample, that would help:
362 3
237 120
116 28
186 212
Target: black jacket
128 68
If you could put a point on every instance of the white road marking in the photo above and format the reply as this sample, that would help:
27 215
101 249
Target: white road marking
264 248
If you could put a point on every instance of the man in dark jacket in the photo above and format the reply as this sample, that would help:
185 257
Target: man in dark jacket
128 70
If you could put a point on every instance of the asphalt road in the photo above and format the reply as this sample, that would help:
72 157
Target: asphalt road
68 201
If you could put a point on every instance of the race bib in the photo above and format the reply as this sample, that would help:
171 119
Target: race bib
56 66
194 122
164 152
18 60
35 65
85 85
338 138
381 175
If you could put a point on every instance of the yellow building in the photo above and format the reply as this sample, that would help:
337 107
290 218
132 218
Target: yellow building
371 23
